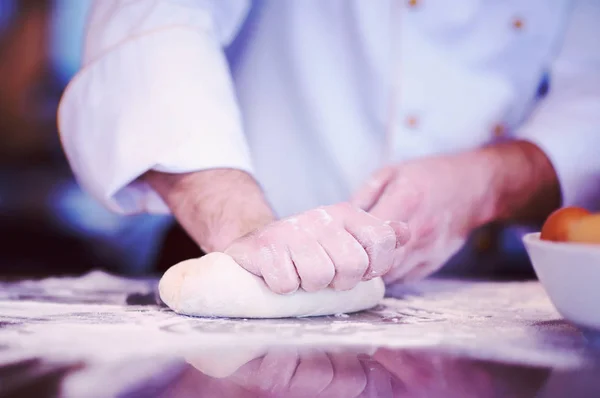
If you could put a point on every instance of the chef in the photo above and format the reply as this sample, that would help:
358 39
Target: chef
321 143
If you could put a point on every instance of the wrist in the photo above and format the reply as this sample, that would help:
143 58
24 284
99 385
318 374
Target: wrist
482 185
215 207
523 184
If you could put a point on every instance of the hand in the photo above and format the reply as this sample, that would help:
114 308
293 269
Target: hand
444 198
424 373
303 373
336 246
440 198
431 374
291 372
215 207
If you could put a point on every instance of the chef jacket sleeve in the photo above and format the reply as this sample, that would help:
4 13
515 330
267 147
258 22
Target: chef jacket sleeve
154 93
566 124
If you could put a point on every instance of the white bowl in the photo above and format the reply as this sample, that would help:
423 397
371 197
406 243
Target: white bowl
570 273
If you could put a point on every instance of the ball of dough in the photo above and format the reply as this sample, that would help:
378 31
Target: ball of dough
216 286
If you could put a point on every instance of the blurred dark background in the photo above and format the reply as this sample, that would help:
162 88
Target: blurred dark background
47 224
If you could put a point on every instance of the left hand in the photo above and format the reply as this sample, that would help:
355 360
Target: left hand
441 198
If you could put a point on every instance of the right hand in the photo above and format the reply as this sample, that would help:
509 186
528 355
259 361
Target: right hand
337 246
291 372
303 373
334 246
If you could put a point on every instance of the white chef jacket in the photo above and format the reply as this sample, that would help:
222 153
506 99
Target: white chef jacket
311 96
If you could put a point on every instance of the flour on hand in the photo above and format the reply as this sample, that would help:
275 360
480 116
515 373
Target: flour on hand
216 286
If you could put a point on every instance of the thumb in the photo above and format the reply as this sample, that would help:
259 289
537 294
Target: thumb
402 232
370 192
402 202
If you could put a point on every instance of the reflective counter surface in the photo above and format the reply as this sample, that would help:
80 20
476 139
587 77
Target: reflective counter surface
296 372
102 336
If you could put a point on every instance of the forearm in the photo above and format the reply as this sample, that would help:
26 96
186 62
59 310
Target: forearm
215 206
523 184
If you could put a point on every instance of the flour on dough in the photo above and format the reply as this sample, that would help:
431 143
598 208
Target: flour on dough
216 286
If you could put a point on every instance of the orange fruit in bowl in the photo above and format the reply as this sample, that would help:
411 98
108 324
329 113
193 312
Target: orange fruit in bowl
585 230
559 224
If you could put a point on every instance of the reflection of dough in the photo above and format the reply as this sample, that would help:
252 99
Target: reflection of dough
215 285
221 362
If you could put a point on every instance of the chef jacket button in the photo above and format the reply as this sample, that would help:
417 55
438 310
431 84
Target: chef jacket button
499 130
412 122
413 3
518 23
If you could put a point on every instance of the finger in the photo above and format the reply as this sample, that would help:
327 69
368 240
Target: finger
248 375
414 266
412 253
410 371
402 266
243 252
378 381
432 257
313 374
402 231
428 266
262 257
276 371
424 235
398 388
347 255
312 263
402 202
349 378
418 272
370 192
377 238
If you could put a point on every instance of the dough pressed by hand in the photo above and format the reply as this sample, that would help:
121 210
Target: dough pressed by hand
216 286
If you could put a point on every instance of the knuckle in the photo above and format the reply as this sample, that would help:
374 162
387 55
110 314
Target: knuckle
257 240
318 280
341 283
284 286
380 239
313 265
354 267
322 216
325 276
277 229
341 209
402 232
381 268
381 261
388 239
288 225
351 271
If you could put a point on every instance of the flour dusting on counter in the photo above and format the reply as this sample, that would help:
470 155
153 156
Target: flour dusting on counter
104 317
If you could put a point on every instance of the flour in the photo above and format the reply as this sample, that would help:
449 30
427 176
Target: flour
511 322
94 287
